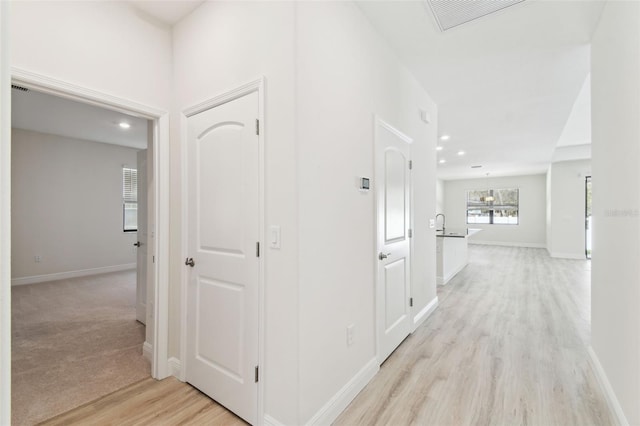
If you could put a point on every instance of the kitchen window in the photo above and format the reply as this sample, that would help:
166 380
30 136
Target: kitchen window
493 206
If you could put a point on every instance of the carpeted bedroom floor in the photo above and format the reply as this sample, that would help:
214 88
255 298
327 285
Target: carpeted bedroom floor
74 341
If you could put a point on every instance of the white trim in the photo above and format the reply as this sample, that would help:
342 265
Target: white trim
270 421
507 244
256 85
610 395
5 215
445 280
582 256
336 405
71 274
175 368
424 313
162 168
159 368
147 350
62 89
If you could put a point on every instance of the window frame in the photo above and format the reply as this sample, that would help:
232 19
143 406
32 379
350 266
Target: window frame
129 196
491 207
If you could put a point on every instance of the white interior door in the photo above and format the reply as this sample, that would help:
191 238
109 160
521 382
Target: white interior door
141 257
393 199
223 223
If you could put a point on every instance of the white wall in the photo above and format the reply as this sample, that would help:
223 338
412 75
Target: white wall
67 205
615 292
219 47
566 208
105 46
346 74
439 196
531 229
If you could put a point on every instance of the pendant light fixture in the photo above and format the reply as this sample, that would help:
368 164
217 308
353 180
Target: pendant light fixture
489 197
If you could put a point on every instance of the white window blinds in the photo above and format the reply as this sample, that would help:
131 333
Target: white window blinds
129 185
129 199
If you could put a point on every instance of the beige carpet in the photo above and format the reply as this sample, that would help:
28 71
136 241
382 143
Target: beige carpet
73 341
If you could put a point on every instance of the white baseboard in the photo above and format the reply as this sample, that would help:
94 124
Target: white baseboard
444 280
175 368
425 313
610 396
568 256
270 421
507 244
147 351
71 274
336 405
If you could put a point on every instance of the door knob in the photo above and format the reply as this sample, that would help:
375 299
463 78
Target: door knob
137 244
383 256
190 262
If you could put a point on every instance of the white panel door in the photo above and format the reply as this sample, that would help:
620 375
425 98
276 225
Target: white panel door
223 196
142 252
393 199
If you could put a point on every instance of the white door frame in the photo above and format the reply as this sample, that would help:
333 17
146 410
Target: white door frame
256 85
160 118
5 214
379 122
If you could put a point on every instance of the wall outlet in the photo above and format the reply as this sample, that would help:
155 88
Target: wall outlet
350 329
37 258
432 223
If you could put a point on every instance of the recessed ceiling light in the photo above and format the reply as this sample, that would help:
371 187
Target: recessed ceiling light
460 152
438 148
442 161
445 137
124 125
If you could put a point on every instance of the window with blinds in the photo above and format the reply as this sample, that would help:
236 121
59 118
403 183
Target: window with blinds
129 199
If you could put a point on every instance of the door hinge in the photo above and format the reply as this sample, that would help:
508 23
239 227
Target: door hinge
410 233
410 164
153 259
257 126
258 249
411 301
257 371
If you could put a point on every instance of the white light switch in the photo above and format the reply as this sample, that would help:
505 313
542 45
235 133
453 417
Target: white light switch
274 237
432 223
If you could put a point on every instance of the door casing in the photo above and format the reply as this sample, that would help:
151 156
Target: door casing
160 119
256 85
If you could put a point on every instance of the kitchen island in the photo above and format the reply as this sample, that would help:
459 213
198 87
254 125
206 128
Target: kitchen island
452 252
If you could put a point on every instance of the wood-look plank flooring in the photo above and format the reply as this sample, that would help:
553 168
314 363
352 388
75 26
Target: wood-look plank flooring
150 402
506 346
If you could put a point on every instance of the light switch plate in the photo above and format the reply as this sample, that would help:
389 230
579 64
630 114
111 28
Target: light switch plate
274 237
432 223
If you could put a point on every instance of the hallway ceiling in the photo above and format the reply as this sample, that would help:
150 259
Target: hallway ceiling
505 84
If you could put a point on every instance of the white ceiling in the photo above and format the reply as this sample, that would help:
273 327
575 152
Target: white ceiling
166 11
510 86
45 113
505 84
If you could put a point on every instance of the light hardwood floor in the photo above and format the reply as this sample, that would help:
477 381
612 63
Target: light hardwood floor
506 346
150 402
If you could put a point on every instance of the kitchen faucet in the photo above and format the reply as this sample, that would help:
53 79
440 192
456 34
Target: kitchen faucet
443 220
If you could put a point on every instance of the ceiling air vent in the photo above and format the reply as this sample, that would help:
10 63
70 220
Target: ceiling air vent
22 89
451 13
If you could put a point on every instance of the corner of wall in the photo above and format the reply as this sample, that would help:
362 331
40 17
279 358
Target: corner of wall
603 382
